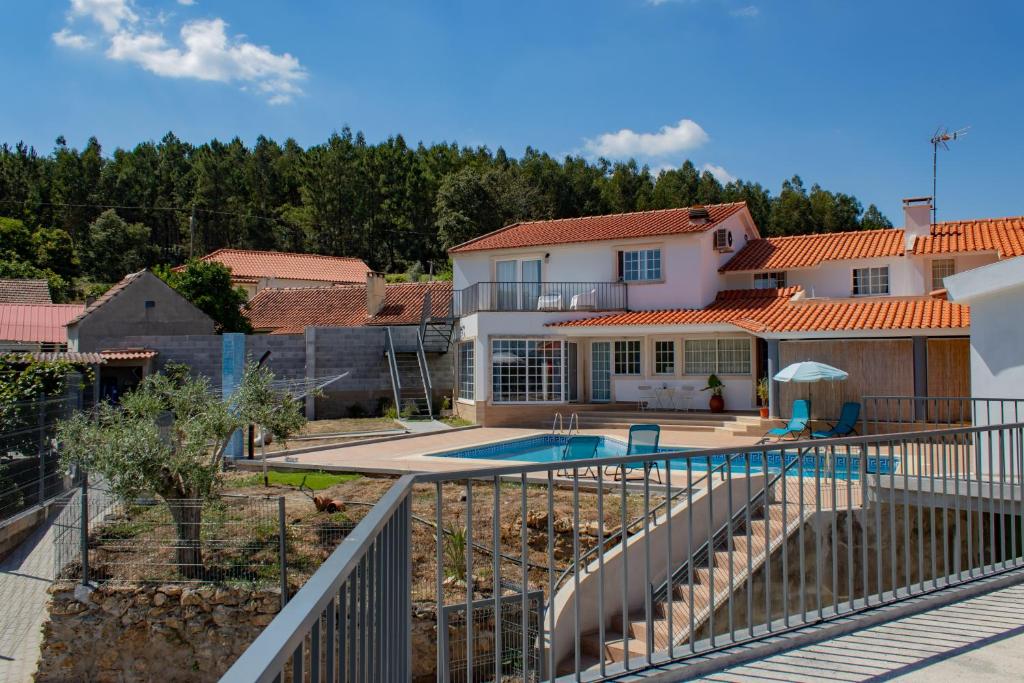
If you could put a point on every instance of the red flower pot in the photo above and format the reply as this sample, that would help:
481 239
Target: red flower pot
716 404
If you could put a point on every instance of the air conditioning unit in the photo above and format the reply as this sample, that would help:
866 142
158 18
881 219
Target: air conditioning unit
723 239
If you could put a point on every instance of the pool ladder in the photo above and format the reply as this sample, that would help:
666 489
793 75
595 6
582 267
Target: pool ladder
558 426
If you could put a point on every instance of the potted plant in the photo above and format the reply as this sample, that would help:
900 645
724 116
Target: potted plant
446 407
716 387
762 395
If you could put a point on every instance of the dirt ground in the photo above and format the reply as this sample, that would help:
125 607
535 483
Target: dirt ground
331 432
241 542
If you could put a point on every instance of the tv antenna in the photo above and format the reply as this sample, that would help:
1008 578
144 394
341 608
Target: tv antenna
941 137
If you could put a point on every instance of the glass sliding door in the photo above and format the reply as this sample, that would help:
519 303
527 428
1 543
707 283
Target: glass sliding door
601 372
531 285
505 274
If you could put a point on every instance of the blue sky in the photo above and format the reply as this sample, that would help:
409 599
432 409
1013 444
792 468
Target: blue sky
844 93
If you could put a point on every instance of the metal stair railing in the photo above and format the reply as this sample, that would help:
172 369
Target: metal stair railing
421 355
396 381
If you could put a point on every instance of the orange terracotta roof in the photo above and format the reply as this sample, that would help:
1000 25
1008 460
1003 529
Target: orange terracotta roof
775 310
1005 236
804 251
594 228
246 264
128 354
42 323
292 310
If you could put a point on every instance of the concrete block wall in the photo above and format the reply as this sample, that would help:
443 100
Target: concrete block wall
318 354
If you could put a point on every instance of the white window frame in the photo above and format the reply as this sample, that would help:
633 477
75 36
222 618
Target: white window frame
871 281
717 356
659 357
946 264
770 280
467 376
552 392
629 347
640 265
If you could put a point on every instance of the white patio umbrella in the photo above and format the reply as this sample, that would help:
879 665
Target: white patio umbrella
810 371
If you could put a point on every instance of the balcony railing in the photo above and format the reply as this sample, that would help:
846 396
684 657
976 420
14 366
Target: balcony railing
540 296
671 566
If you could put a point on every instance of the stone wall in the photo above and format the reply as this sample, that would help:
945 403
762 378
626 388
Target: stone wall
150 633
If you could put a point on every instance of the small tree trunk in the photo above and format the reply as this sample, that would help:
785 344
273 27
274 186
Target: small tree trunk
187 515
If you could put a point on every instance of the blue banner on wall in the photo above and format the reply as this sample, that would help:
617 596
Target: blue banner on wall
232 367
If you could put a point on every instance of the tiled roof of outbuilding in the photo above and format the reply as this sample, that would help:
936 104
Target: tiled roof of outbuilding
25 291
1004 236
247 265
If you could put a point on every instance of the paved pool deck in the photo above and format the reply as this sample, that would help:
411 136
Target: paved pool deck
419 453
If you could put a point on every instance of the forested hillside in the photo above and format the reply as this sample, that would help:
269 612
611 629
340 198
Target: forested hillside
92 215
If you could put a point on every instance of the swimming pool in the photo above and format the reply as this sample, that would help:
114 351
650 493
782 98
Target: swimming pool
548 448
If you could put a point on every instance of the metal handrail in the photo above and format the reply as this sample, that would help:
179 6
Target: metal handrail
396 380
740 515
582 560
557 419
421 358
286 633
526 296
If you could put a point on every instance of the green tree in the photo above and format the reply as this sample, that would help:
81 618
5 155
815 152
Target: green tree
116 247
791 212
60 290
465 208
874 219
207 285
55 252
168 437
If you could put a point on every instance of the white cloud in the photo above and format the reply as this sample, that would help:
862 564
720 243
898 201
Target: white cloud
187 3
748 12
206 51
672 139
109 14
719 172
209 55
67 38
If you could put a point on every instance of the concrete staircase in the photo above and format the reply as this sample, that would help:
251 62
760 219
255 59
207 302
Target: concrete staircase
710 587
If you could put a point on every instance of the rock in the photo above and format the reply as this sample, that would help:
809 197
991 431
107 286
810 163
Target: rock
190 597
536 519
159 599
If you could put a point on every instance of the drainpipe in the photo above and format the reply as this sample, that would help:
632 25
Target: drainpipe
773 386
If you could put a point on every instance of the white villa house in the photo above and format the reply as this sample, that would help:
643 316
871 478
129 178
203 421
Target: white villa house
645 306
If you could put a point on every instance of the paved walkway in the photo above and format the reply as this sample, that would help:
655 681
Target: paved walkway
24 577
978 639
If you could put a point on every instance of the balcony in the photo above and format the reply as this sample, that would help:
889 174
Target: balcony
540 296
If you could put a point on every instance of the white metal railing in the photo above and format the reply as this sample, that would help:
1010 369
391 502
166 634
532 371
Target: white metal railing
841 525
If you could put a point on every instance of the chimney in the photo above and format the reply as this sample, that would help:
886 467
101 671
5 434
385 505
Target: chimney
699 214
917 219
374 293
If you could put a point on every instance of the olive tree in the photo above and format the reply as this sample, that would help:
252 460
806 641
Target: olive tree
167 438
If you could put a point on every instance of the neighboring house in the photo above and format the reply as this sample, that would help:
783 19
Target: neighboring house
25 292
256 270
292 310
996 296
36 327
139 305
609 308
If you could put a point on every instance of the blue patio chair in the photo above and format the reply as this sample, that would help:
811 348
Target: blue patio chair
579 448
797 425
643 440
846 426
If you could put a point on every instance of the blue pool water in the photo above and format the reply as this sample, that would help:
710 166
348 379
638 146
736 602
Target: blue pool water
548 448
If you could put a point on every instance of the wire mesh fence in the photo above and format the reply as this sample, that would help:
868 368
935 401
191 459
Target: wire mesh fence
508 656
30 469
228 539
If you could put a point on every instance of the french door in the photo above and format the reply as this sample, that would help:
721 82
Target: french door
601 372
